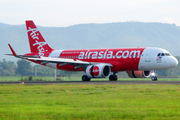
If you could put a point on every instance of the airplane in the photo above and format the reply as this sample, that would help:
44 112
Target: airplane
97 63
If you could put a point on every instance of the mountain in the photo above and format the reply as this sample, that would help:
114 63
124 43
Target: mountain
109 35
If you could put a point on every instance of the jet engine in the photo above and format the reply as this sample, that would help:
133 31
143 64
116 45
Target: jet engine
139 74
98 71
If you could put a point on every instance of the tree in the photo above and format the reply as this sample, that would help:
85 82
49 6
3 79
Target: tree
24 68
165 73
7 68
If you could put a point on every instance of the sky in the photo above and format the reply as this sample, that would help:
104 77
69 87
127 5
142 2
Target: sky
64 13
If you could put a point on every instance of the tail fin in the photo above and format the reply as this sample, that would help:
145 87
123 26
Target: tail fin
36 41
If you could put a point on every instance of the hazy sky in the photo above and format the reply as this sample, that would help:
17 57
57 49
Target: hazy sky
64 13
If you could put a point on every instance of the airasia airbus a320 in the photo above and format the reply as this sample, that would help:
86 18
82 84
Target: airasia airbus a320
97 63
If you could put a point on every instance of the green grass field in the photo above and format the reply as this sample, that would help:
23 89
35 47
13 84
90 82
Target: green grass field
149 102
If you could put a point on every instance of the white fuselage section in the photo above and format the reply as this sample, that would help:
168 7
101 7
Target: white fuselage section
156 59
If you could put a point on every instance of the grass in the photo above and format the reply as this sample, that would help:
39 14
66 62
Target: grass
74 78
19 78
27 102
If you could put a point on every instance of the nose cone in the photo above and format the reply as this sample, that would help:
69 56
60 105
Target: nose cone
169 62
173 62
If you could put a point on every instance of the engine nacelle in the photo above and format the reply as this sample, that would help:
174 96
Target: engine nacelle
98 71
139 74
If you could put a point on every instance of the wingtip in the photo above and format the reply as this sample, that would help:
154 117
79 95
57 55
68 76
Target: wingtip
13 52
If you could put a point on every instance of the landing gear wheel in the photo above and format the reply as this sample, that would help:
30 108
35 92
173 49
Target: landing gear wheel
85 78
154 78
113 77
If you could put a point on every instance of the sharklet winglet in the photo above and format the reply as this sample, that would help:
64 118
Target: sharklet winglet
13 52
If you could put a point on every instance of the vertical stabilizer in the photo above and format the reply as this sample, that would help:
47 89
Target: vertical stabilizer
36 41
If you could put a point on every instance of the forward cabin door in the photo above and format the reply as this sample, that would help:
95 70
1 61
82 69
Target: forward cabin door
148 55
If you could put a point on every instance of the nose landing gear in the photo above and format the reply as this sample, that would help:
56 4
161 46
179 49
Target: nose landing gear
153 75
154 78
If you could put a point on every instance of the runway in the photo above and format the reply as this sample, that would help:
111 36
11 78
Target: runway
91 82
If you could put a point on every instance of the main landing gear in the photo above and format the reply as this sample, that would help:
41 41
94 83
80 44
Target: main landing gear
85 78
113 77
153 75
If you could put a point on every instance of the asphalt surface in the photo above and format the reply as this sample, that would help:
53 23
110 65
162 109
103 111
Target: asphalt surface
91 82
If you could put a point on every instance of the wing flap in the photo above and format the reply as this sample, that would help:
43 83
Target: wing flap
59 60
63 61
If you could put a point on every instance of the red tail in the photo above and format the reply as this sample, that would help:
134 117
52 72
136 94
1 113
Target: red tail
36 41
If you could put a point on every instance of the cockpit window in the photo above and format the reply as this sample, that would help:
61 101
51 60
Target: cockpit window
167 54
164 54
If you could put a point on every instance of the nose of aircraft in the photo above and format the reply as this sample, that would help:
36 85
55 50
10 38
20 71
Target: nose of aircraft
174 62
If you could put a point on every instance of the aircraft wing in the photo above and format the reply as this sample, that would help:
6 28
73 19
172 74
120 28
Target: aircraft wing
63 61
